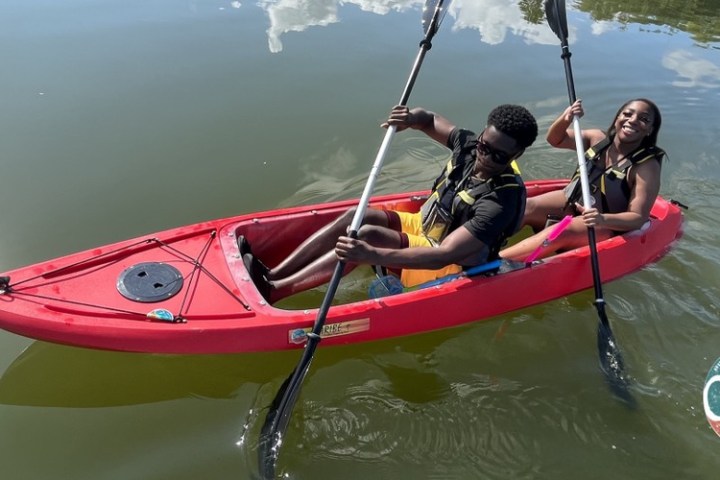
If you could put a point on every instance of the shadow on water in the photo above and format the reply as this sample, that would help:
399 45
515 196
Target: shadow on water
58 376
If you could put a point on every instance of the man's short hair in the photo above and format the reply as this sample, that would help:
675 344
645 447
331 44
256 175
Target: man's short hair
515 121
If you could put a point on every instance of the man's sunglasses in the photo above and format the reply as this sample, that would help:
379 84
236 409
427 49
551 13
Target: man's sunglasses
497 156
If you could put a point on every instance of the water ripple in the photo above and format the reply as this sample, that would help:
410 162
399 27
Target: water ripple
471 432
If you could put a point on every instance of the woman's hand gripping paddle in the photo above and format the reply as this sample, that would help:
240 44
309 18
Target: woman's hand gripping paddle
278 417
611 360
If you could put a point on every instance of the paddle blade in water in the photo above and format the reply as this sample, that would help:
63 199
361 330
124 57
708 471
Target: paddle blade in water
273 430
612 364
271 436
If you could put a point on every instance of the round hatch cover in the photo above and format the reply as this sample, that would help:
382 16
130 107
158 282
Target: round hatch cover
149 282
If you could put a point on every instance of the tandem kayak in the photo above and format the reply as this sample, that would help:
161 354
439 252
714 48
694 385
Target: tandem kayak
187 291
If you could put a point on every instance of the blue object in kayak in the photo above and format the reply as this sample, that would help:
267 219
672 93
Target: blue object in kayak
391 285
385 286
472 271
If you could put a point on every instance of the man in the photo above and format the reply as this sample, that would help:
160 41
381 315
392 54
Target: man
476 204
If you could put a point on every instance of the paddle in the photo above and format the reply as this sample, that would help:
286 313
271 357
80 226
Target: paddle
611 360
278 417
554 233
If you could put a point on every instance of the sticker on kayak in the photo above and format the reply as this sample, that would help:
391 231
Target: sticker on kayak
299 335
161 314
711 396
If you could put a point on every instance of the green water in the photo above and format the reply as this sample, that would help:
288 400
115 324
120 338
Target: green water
120 118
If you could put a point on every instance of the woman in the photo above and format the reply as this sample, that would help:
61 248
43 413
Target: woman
624 176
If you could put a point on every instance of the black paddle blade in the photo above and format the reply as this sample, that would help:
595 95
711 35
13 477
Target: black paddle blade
612 364
270 436
278 417
556 18
429 20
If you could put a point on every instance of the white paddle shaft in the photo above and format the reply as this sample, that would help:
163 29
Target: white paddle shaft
372 178
582 164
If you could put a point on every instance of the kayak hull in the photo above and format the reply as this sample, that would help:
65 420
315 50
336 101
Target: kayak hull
186 290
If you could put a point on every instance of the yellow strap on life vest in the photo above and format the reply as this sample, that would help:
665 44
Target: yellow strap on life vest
652 155
466 197
513 164
469 199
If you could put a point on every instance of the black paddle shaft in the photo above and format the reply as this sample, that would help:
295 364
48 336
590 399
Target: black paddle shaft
611 359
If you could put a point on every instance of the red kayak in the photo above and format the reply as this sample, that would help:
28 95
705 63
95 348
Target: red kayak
186 290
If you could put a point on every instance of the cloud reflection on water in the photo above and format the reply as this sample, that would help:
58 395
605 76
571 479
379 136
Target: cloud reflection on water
694 72
493 19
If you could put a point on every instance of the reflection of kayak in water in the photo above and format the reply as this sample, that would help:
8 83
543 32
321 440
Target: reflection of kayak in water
186 290
58 376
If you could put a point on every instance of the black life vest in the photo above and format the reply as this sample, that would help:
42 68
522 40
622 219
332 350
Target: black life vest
609 187
451 195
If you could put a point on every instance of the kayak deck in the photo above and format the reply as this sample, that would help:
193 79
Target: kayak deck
186 290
